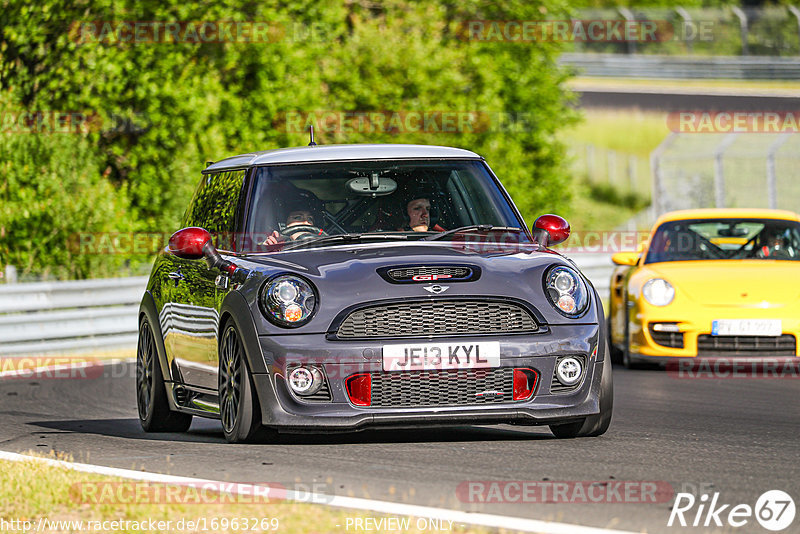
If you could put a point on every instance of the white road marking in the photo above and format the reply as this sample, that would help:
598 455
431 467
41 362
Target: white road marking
383 507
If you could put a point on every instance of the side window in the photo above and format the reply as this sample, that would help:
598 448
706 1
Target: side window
214 206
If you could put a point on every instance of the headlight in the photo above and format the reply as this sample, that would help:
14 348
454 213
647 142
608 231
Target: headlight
658 292
566 291
288 300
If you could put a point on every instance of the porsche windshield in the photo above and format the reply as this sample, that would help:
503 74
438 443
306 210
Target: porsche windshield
371 200
725 239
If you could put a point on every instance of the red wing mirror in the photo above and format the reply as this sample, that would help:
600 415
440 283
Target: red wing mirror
194 243
550 230
188 243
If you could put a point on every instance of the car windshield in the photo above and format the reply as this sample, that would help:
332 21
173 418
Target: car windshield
318 204
725 239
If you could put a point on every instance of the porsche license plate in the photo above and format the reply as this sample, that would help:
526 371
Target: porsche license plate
424 356
746 327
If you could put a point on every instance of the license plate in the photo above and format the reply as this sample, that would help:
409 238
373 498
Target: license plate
746 327
424 356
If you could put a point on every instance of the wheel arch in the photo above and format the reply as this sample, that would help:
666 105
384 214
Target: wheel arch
148 310
235 309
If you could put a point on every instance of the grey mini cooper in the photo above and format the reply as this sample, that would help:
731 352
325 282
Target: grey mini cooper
344 287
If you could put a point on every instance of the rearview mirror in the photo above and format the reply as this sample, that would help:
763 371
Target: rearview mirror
550 230
625 258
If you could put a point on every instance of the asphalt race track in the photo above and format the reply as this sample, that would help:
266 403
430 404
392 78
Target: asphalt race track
737 437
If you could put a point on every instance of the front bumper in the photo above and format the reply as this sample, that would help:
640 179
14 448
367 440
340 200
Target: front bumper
283 410
691 326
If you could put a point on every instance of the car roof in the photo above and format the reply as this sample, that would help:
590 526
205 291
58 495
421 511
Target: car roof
727 213
309 154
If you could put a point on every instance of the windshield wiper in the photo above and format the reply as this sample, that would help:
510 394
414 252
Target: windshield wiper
343 238
483 228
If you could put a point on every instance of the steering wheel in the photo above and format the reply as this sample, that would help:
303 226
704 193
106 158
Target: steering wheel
302 231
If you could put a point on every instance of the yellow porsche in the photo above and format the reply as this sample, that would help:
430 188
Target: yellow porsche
712 282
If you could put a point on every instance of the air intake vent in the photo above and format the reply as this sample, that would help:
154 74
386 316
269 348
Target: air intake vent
181 395
419 274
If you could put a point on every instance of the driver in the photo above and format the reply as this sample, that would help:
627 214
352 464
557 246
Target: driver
418 215
300 214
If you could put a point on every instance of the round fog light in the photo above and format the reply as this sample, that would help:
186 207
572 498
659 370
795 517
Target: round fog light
569 371
305 380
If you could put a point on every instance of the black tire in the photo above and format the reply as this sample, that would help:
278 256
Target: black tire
238 405
151 394
626 347
616 354
594 425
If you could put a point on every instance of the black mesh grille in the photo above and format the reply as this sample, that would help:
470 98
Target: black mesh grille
784 345
437 318
668 339
443 388
406 273
558 387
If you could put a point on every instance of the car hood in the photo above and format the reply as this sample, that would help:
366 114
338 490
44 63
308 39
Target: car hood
346 276
732 283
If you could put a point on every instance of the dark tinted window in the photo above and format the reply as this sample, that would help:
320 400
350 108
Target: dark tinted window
214 206
336 197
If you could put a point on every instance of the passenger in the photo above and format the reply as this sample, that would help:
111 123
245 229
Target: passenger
775 249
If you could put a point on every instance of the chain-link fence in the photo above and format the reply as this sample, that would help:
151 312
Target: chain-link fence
730 30
731 170
625 172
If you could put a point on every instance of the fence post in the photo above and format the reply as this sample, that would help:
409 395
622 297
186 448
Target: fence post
796 12
632 172
772 186
590 163
11 274
657 201
687 21
611 164
628 15
719 172
742 16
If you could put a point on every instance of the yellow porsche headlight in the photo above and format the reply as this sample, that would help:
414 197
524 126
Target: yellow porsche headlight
658 292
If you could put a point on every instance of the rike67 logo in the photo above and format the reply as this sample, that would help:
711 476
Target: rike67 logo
774 510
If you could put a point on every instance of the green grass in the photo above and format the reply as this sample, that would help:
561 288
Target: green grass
627 131
31 490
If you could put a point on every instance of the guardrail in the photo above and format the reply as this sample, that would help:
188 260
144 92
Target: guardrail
597 268
88 315
651 66
74 316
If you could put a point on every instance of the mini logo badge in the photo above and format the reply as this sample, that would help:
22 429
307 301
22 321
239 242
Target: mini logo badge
435 289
